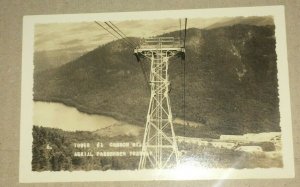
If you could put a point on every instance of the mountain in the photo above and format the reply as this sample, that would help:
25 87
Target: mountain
120 130
45 60
252 20
231 81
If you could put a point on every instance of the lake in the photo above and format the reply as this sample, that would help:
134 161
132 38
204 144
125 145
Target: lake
56 115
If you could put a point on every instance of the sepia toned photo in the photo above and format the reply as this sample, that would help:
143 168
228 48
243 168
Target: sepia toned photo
166 95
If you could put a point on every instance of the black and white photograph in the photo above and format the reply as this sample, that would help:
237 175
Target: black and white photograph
158 95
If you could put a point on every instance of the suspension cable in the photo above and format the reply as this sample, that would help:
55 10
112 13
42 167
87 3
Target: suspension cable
127 43
109 32
125 37
145 75
184 80
120 35
184 32
180 30
106 29
184 102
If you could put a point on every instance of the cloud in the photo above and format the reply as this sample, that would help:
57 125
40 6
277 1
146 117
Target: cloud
71 42
64 36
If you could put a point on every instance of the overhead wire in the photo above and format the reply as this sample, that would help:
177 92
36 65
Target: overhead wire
118 31
106 29
132 42
145 75
185 24
120 35
184 80
180 31
111 33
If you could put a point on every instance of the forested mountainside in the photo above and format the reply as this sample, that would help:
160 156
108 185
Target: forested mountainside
231 81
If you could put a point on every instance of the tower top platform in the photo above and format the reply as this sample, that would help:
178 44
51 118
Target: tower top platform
156 44
161 42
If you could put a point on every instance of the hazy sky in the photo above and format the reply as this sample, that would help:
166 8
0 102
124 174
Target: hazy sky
85 36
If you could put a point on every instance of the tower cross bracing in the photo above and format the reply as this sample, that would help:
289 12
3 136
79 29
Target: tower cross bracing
159 148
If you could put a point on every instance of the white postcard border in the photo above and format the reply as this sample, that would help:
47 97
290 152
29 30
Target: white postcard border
186 172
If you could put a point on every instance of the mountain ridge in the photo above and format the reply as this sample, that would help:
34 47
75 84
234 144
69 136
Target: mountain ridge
226 97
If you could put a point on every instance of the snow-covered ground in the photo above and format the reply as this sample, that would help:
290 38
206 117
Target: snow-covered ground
251 137
180 121
246 143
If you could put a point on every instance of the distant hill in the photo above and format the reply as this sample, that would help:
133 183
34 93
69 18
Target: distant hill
231 81
252 20
120 130
45 60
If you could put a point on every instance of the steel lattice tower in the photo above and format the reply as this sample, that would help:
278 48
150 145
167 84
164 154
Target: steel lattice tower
159 148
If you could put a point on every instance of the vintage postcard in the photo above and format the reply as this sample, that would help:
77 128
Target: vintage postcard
156 95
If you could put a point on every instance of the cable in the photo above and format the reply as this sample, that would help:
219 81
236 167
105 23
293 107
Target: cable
184 79
132 43
180 31
126 42
109 32
114 34
145 75
118 31
184 32
123 33
184 102
106 29
120 35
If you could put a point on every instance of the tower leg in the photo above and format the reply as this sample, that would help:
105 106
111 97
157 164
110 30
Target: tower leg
159 149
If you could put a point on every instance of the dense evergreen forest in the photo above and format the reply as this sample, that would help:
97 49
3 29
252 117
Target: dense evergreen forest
62 156
231 81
